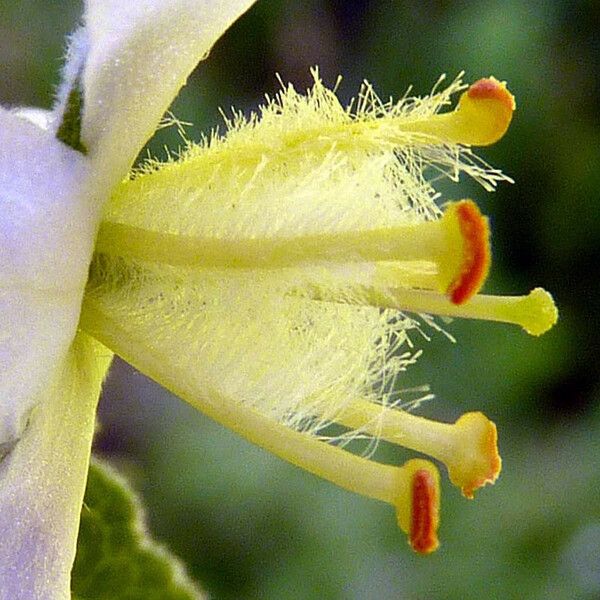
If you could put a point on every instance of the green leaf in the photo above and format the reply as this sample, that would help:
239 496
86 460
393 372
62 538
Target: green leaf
116 559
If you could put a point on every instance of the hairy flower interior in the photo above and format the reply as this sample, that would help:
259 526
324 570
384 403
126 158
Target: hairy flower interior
272 268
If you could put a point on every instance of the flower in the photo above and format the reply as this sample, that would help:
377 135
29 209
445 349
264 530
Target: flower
268 277
126 65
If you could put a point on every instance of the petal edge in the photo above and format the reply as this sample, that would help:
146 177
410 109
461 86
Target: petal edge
140 56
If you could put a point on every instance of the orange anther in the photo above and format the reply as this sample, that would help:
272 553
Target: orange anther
492 89
485 111
480 463
424 513
476 252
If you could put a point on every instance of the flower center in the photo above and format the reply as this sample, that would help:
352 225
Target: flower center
275 227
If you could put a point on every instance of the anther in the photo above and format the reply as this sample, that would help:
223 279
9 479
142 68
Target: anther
467 447
457 244
481 117
536 312
492 97
417 504
474 254
423 530
477 461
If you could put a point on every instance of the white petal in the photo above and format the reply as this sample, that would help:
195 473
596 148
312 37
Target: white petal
42 480
140 55
48 221
47 228
38 116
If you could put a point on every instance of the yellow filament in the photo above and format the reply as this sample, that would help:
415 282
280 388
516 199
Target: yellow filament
417 274
481 118
430 240
354 473
536 312
467 447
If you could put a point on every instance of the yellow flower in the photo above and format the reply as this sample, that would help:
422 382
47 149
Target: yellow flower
273 278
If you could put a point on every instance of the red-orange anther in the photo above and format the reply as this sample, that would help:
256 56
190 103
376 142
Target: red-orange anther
424 513
490 88
476 253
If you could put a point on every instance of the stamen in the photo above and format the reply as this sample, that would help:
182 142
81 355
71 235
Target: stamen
462 265
423 536
422 241
481 117
468 447
413 494
468 267
419 481
536 313
418 275
458 243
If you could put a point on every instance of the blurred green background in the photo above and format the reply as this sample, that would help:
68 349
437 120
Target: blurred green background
249 526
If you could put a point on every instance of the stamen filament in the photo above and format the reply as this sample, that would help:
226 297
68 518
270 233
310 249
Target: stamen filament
419 275
467 447
536 312
458 243
481 118
419 241
422 241
413 489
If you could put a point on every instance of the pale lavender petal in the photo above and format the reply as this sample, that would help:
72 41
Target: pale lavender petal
140 54
47 229
42 480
